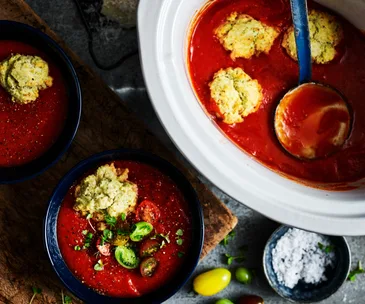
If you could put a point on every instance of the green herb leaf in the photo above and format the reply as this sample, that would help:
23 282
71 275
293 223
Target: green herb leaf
353 273
84 232
180 254
229 236
88 239
122 232
110 220
180 232
123 217
67 300
89 216
238 259
108 234
164 236
326 249
77 248
179 241
99 266
36 291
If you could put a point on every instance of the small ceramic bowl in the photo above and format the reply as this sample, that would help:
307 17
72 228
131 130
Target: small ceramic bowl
50 228
304 292
16 31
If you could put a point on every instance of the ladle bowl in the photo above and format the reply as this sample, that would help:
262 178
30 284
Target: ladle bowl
313 120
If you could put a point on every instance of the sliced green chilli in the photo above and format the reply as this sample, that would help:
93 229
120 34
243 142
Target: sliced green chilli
126 257
140 230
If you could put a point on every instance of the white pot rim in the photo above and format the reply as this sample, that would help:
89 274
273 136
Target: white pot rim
163 33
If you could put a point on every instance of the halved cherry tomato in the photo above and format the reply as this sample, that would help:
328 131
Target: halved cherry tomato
148 267
148 248
103 249
148 212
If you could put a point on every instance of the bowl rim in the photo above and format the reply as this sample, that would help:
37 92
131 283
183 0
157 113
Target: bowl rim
50 225
50 43
264 265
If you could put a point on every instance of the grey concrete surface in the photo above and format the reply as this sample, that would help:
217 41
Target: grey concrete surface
253 229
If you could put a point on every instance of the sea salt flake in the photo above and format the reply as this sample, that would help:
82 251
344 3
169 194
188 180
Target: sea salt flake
297 256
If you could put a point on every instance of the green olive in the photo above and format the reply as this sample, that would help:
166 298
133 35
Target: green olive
224 301
244 275
126 257
140 230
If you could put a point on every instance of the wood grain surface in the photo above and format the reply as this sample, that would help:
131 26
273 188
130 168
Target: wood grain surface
105 124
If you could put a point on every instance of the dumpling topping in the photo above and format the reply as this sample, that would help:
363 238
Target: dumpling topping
23 76
107 190
236 94
245 36
325 34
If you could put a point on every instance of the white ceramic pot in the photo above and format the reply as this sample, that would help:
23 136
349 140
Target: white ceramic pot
163 31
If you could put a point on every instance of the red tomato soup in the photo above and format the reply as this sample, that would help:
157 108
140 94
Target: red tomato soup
277 73
114 280
28 131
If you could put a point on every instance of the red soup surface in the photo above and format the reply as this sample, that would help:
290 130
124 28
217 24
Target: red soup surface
115 280
28 131
277 73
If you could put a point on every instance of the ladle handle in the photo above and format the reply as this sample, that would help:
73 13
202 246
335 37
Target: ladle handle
301 29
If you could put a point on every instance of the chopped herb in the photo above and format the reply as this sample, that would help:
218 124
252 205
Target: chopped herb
122 232
326 249
36 291
110 220
123 217
180 254
107 235
229 236
180 232
89 216
88 239
231 258
77 247
353 273
164 236
84 232
68 300
65 299
179 241
99 266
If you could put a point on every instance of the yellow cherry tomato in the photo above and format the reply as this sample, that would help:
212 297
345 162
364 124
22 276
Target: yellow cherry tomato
211 282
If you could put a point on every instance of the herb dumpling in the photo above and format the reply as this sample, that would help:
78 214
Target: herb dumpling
325 34
245 36
236 94
22 76
108 190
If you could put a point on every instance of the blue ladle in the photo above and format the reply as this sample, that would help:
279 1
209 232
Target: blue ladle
312 120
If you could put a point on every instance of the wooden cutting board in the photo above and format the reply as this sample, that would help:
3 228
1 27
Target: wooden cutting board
105 124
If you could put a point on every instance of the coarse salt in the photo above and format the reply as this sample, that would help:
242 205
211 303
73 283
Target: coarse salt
298 256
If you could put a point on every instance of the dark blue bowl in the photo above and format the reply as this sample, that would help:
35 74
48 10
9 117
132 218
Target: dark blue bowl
303 292
50 228
10 30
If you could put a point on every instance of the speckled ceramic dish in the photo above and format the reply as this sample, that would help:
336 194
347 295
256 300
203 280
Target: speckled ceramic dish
303 292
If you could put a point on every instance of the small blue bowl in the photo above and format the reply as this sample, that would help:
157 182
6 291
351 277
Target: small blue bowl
303 292
50 228
10 30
